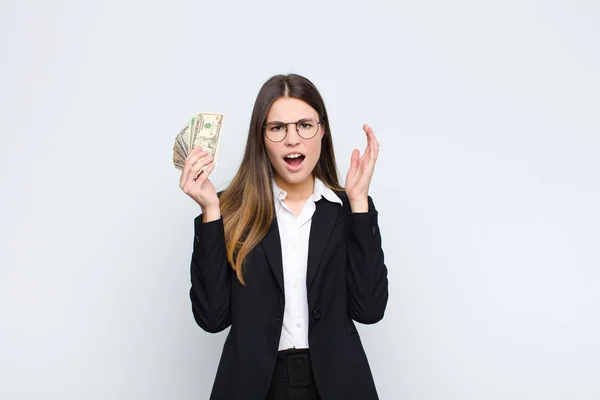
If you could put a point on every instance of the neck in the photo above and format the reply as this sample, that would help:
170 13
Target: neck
297 191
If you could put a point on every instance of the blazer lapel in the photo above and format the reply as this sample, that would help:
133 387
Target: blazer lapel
271 244
322 224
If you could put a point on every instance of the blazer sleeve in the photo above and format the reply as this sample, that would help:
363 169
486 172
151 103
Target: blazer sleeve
210 276
367 274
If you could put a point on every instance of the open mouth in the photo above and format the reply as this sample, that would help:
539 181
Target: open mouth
294 160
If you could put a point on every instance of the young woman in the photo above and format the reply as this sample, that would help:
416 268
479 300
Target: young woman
286 257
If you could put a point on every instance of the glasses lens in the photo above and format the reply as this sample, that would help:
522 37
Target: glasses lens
275 131
307 128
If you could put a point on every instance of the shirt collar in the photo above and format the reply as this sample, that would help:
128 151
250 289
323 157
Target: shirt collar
278 193
323 191
320 190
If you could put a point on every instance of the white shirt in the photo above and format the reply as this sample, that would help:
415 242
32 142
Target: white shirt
294 233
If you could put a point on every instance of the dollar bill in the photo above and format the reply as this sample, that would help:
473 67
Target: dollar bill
190 134
180 141
207 134
178 158
202 130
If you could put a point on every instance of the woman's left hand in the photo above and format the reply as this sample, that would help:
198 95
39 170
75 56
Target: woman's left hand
360 172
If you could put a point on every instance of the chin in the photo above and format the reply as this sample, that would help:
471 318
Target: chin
294 178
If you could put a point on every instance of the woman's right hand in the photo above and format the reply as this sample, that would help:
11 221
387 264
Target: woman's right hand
199 187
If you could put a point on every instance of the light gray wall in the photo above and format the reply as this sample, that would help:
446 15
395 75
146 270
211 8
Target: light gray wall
487 186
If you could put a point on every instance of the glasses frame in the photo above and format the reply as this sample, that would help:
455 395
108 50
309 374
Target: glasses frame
319 123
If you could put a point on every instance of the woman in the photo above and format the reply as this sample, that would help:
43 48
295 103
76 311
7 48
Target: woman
287 257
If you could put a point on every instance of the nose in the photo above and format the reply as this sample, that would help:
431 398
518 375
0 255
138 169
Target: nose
292 138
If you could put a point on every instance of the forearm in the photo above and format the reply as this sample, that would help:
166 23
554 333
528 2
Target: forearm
367 273
210 276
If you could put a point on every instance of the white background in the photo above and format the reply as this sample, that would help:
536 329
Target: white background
487 186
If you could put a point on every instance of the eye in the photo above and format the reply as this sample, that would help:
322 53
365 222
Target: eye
276 128
306 125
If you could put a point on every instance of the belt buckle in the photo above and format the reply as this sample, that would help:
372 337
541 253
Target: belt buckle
298 370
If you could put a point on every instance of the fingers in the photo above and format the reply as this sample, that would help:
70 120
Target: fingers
365 163
194 172
366 129
373 145
190 160
354 159
201 176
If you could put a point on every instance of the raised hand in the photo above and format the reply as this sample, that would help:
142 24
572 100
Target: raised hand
198 186
360 173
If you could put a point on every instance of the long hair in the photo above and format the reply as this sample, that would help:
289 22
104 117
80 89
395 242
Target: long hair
247 204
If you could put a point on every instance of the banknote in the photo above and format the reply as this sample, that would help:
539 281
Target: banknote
178 158
207 134
180 141
190 133
202 130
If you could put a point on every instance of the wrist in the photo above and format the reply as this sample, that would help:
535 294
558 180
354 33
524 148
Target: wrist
359 205
211 213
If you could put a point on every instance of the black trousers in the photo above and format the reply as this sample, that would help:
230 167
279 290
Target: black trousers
293 377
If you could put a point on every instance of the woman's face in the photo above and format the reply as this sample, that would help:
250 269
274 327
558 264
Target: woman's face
282 155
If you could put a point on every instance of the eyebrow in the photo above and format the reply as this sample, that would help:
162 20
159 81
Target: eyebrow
281 122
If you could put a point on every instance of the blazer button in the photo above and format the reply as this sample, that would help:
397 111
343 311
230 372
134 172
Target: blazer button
197 239
374 230
317 314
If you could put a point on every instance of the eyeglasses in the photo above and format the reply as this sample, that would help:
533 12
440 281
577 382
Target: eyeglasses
307 128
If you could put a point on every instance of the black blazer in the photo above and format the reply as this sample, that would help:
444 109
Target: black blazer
346 282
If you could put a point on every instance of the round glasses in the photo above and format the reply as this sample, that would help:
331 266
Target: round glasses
307 128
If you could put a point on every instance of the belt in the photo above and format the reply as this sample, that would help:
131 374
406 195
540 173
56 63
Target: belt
293 366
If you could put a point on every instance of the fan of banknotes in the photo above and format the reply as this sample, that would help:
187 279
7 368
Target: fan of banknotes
203 130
